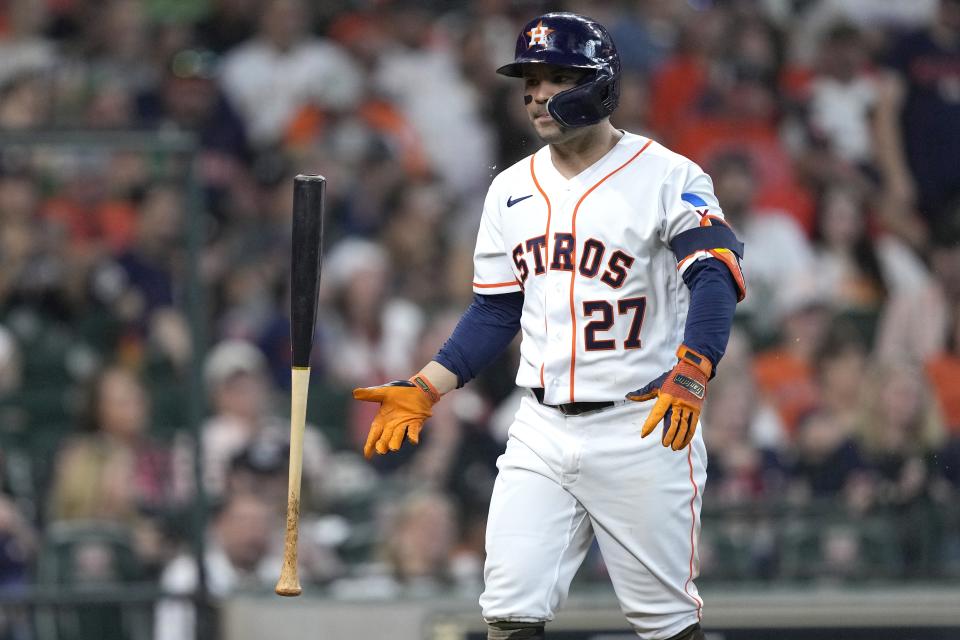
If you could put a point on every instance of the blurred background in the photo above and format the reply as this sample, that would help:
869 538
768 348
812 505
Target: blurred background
147 149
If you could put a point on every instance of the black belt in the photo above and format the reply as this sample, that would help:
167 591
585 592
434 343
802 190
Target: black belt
571 408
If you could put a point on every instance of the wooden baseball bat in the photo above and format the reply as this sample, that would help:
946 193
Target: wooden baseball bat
305 265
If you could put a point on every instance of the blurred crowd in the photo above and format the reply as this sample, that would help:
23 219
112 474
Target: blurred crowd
831 129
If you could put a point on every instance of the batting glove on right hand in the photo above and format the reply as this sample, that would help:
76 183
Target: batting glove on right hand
679 393
404 405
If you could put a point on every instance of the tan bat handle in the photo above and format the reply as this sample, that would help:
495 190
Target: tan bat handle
289 583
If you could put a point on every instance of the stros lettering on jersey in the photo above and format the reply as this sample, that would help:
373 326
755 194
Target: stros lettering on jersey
604 299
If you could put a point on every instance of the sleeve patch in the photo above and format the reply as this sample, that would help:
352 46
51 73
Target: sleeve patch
693 199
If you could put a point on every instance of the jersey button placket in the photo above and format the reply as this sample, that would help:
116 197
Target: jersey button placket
557 347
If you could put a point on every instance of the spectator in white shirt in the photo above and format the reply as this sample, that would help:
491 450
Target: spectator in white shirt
843 95
282 68
235 559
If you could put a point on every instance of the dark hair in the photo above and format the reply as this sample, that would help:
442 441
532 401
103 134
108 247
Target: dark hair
952 345
945 227
841 33
732 159
864 252
88 414
264 458
842 337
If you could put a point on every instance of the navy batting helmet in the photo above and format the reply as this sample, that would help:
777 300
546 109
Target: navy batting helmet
571 40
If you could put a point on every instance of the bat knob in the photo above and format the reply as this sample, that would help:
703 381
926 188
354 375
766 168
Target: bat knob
307 177
288 590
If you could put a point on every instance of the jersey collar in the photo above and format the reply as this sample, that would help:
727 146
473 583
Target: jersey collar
616 154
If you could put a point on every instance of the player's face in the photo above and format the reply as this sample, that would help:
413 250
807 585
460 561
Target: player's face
541 82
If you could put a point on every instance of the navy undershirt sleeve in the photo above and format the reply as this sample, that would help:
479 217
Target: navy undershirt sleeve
484 331
713 299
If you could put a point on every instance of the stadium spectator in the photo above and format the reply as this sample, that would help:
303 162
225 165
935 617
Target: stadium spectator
419 71
417 538
18 544
780 255
227 24
904 334
901 435
117 65
838 102
784 370
149 263
18 547
741 112
243 416
23 47
283 67
839 364
416 211
20 240
261 469
188 98
236 560
857 271
901 423
943 370
827 458
114 471
679 84
918 124
24 101
370 337
746 437
875 19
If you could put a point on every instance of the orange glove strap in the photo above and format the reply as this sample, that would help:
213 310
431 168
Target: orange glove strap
688 379
426 386
687 354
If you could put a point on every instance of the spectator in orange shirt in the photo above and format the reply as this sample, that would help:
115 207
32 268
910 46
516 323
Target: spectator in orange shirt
943 371
746 438
679 83
741 111
785 373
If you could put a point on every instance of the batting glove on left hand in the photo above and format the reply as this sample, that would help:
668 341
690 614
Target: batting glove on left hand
404 405
679 393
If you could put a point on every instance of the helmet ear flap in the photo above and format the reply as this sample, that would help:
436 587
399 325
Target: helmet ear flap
586 103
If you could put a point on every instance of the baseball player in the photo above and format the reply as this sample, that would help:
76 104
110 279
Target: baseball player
610 254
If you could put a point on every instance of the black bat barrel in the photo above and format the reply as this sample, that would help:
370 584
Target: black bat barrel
305 263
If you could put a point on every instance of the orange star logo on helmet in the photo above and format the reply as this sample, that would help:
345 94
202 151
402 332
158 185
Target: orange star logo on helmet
538 35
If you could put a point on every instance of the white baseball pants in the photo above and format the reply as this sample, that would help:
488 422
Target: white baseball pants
563 480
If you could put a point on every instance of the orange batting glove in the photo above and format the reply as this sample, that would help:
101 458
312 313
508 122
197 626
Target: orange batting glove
404 405
679 393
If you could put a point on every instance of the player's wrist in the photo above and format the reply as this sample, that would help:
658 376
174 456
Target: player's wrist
423 383
699 361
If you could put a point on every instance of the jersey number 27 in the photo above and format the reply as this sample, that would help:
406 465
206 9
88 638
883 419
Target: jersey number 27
633 307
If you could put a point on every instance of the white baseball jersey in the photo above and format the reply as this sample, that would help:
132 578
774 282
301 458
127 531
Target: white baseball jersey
604 301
